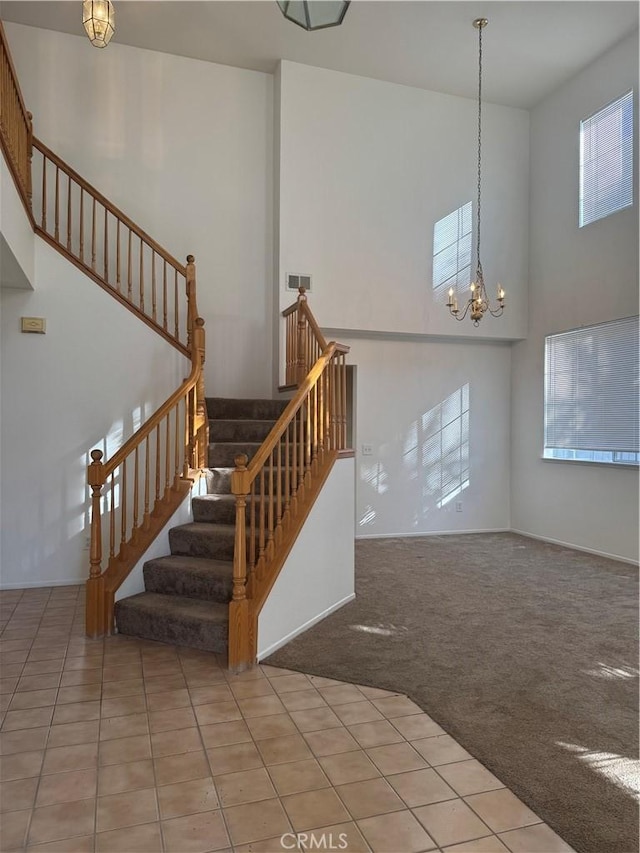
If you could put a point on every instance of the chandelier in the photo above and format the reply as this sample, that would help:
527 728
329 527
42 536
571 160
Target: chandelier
478 303
314 14
99 21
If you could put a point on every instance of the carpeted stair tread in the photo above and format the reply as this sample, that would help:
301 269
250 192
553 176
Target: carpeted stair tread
242 429
200 539
174 619
191 577
222 454
252 409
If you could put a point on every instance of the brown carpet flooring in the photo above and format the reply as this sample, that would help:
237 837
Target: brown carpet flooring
525 652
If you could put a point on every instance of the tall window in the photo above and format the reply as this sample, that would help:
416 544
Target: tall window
606 160
591 394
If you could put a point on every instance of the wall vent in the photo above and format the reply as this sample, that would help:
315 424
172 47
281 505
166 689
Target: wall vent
296 280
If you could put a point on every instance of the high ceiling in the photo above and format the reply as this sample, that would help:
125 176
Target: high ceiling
530 48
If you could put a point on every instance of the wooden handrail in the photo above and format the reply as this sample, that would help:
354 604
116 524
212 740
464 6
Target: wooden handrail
303 340
104 201
16 127
315 328
277 489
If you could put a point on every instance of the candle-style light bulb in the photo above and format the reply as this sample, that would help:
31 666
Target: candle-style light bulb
473 286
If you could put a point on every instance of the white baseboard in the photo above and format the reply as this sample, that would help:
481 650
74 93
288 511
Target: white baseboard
433 533
576 547
41 584
277 645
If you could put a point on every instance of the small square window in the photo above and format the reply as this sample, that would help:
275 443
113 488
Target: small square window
606 160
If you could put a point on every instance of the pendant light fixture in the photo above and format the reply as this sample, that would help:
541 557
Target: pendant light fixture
314 14
99 21
478 303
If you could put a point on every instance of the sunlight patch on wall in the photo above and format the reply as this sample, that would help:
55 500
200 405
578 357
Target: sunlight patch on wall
375 476
452 237
436 449
620 770
368 516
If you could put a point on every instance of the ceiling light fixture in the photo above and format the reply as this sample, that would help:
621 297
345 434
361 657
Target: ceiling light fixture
314 14
478 303
99 21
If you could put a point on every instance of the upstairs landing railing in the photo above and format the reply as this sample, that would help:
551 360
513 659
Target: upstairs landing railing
276 490
16 128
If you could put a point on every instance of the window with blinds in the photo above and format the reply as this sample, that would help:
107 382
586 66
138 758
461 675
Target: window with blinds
591 394
606 160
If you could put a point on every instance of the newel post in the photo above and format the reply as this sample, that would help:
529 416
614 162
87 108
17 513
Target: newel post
301 343
192 310
239 646
201 419
95 626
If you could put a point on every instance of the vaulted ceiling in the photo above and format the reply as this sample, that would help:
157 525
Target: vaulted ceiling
530 48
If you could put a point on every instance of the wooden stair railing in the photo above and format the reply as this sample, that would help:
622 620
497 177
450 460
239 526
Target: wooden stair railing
304 342
148 477
16 128
96 236
276 490
145 480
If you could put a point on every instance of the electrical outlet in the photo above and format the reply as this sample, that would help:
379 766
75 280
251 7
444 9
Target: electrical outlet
458 506
367 449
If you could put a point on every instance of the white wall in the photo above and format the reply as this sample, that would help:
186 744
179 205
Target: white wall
403 388
318 575
17 237
90 381
578 276
185 149
366 170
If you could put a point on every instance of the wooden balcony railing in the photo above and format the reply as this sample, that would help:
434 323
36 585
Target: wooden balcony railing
276 490
105 244
304 342
16 128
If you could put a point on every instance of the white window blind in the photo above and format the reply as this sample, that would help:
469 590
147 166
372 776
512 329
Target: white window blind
606 160
591 392
452 250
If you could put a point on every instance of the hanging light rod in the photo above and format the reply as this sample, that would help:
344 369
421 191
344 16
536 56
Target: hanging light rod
478 303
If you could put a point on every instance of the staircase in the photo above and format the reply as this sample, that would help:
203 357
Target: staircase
187 593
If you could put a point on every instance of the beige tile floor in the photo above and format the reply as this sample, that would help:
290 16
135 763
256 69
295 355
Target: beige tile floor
127 745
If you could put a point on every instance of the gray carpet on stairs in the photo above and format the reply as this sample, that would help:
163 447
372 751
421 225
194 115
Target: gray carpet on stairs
525 652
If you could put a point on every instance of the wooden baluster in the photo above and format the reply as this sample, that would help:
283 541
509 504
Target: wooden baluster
158 454
134 529
93 235
177 306
141 275
95 585
69 214
301 447
343 367
118 282
287 474
146 518
44 193
294 465
167 460
129 279
279 494
314 425
164 297
261 524
123 508
176 450
306 408
270 517
112 518
106 245
29 160
153 285
56 232
239 640
252 528
81 224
